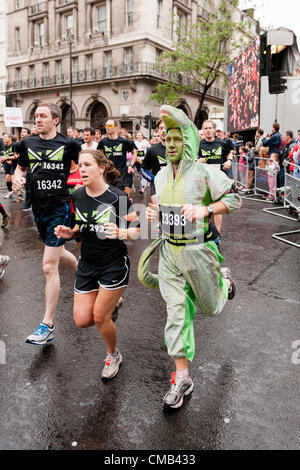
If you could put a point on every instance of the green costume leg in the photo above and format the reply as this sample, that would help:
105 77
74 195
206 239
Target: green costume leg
180 300
186 274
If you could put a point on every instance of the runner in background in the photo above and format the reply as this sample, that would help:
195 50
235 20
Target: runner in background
115 148
25 132
155 159
215 152
142 146
8 159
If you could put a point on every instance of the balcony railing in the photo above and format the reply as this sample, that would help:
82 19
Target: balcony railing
138 69
38 7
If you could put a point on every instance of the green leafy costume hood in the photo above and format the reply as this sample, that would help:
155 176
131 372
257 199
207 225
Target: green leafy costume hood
176 119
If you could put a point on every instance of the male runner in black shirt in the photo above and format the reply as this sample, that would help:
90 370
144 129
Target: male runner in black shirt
216 152
155 159
115 149
48 156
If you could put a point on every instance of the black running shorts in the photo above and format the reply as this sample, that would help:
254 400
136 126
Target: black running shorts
89 278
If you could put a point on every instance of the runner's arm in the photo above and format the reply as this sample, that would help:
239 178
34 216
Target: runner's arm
19 178
65 232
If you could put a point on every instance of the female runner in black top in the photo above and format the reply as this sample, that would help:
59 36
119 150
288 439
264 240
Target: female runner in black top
102 214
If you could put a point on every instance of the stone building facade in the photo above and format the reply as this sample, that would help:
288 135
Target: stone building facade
109 48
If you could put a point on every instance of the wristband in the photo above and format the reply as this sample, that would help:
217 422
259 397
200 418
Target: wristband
122 234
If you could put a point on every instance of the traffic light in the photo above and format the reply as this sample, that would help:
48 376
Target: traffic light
146 121
153 124
277 82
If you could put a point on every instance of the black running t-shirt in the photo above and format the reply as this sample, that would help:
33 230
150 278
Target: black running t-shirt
116 150
49 162
91 213
8 151
155 158
215 152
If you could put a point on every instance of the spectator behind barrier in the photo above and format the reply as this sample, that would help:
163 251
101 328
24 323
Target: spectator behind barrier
296 159
258 139
251 163
274 141
263 154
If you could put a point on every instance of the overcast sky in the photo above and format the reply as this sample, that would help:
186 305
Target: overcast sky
276 13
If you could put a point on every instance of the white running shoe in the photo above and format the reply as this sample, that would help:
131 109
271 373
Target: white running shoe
112 365
9 195
180 388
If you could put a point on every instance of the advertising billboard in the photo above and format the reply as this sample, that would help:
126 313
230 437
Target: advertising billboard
243 89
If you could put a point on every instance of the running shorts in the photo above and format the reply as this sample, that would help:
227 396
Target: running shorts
47 219
112 277
10 169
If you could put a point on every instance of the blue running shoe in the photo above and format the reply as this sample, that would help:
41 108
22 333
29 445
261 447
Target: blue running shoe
42 335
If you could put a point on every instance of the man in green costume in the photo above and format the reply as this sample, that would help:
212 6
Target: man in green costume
189 193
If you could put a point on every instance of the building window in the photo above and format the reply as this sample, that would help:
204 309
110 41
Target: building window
129 12
58 68
18 40
75 69
19 77
46 78
31 76
89 66
158 54
128 61
107 64
68 25
41 40
101 19
159 10
181 22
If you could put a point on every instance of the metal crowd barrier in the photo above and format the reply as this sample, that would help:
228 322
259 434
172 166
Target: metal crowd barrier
264 184
291 196
240 173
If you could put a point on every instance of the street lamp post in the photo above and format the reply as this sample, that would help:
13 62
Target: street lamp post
70 41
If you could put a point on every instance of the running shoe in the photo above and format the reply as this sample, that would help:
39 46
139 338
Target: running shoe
42 335
112 365
232 288
5 220
4 260
19 198
9 195
115 314
26 208
180 388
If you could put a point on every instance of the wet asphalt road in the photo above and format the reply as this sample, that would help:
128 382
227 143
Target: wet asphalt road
246 392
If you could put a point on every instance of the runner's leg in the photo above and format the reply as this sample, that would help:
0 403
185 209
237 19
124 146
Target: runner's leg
104 306
83 309
68 259
50 267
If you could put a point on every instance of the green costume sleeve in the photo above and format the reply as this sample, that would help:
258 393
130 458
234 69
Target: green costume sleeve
219 186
